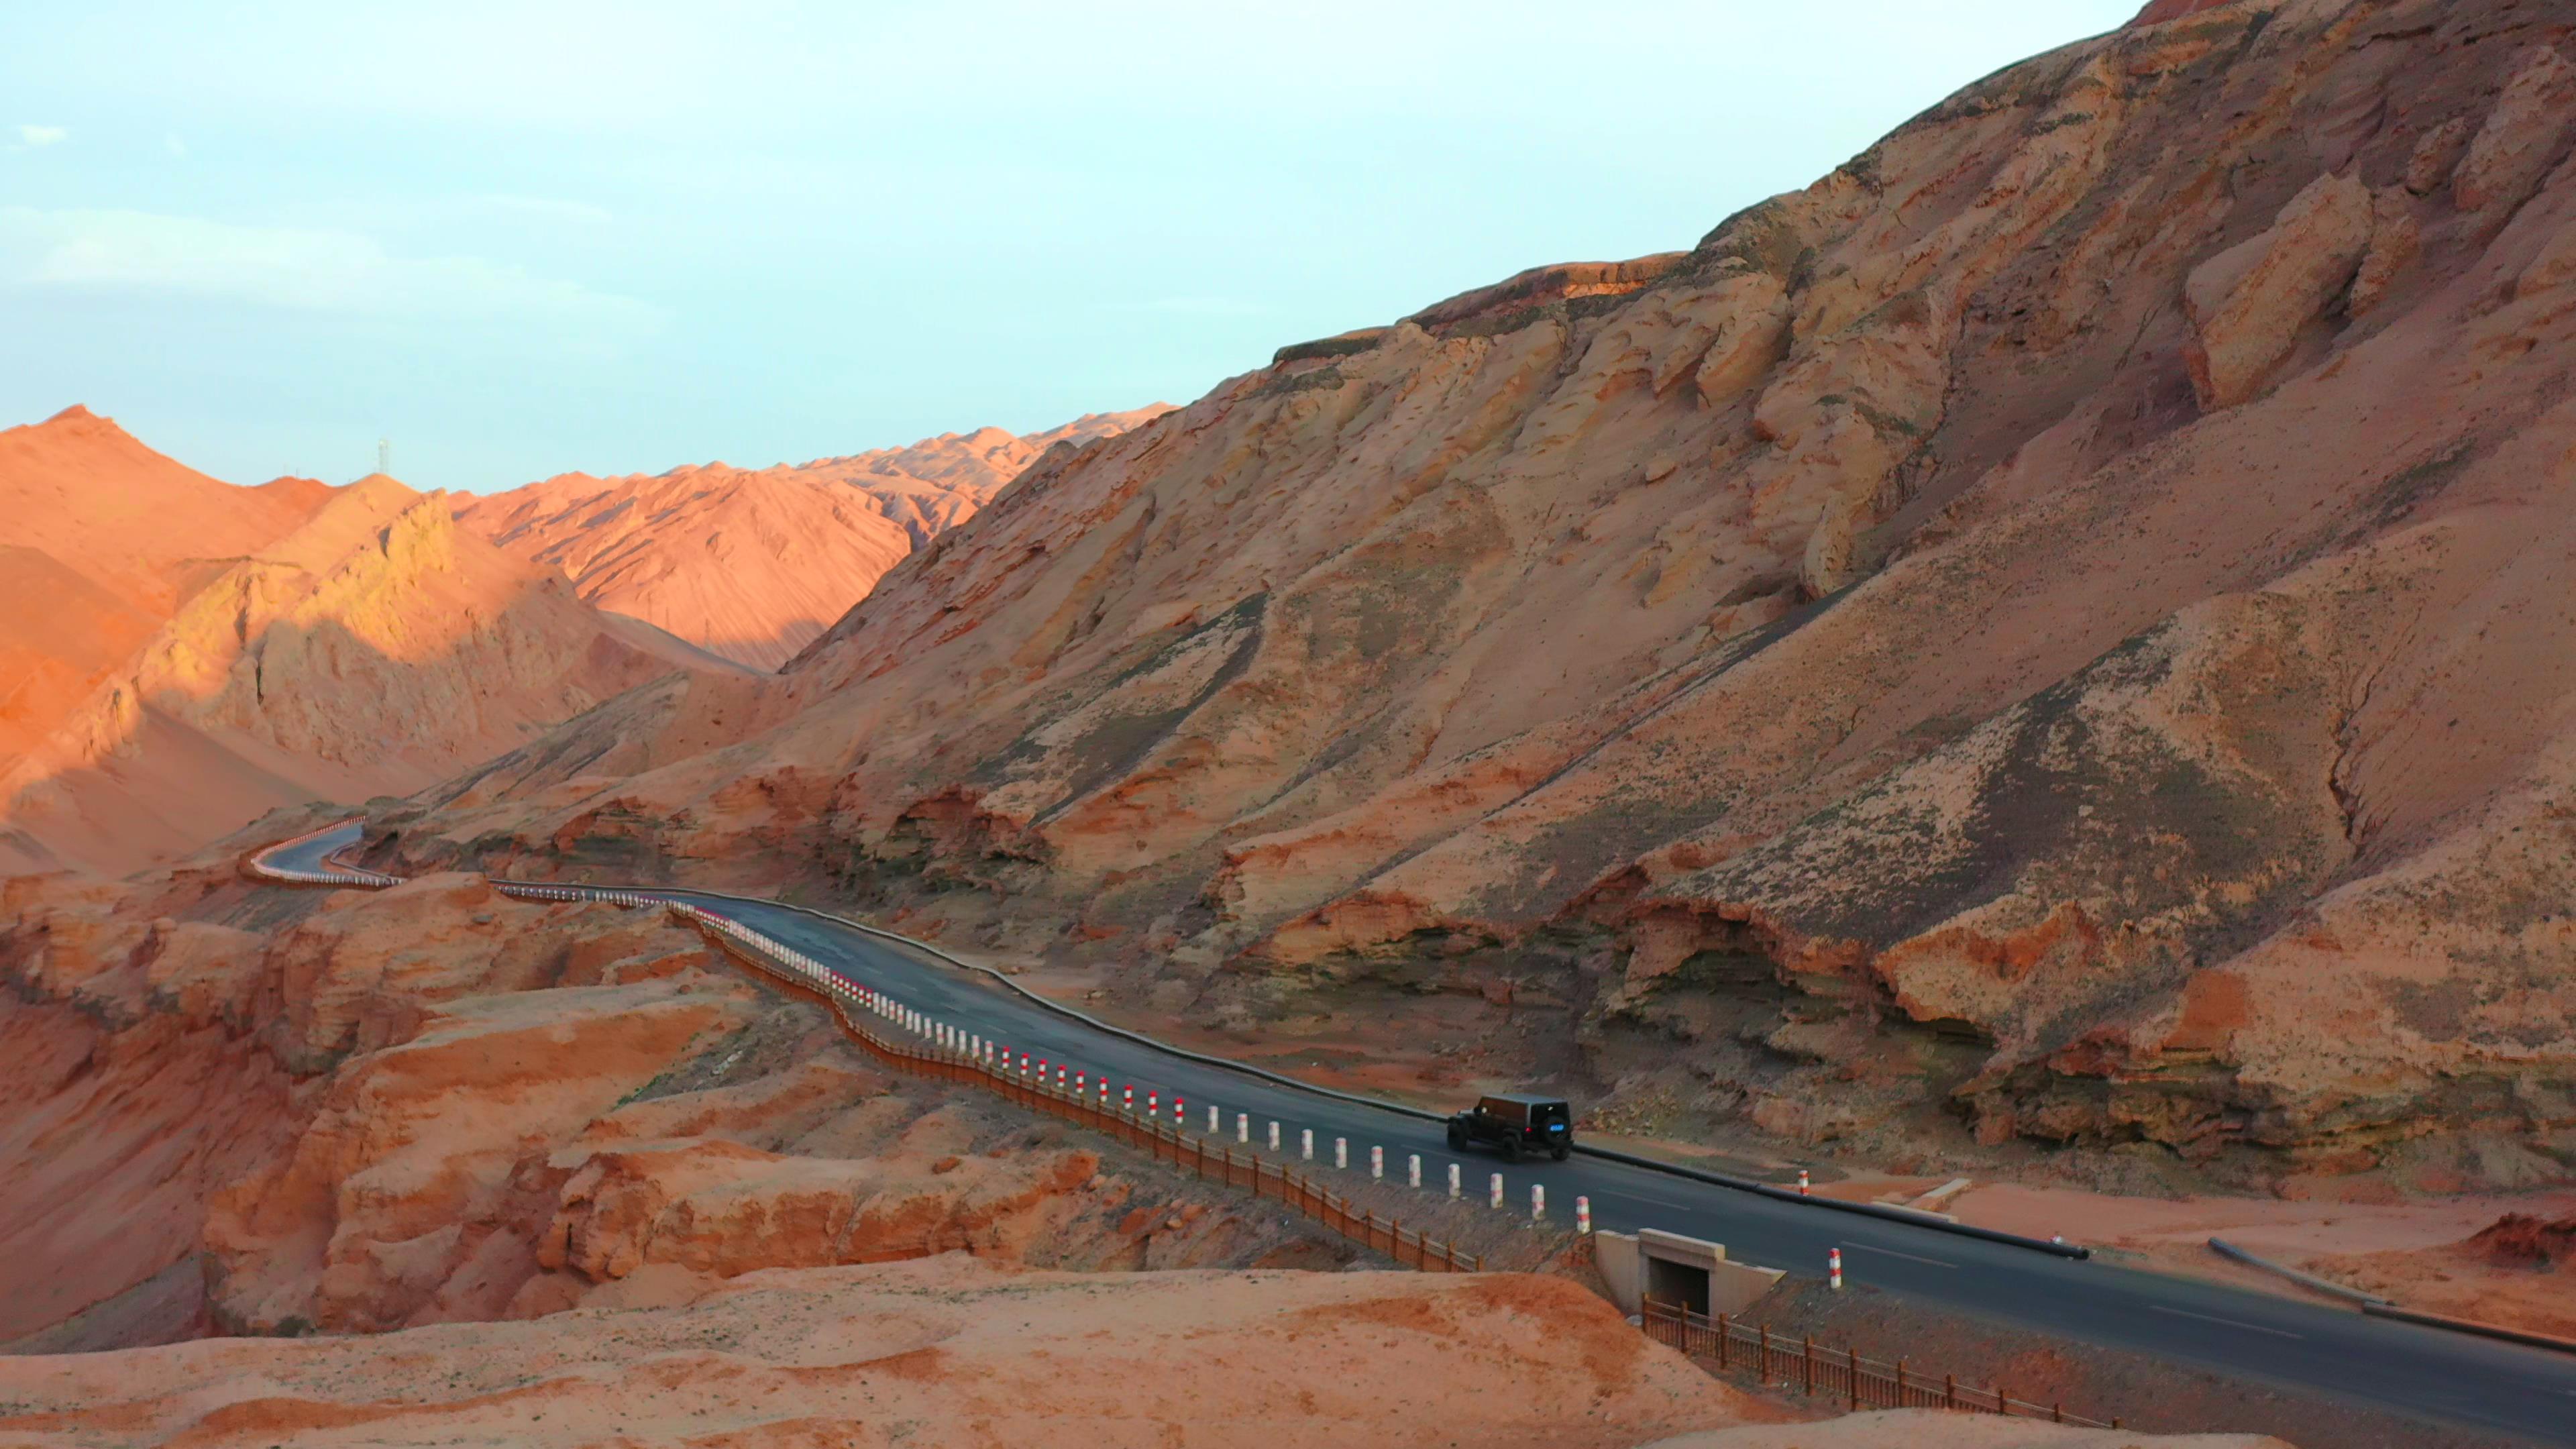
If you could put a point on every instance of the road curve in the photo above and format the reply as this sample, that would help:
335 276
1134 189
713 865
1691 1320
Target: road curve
2289 1343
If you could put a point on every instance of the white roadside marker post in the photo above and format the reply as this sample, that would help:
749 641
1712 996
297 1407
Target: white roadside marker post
1802 1182
1834 1268
1215 1120
1243 1127
1377 1164
1583 1216
1538 1202
1342 1153
1413 1170
1274 1137
1496 1193
1306 1143
1453 1179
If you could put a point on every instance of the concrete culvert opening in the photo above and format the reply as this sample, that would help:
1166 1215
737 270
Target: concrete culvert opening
1682 1283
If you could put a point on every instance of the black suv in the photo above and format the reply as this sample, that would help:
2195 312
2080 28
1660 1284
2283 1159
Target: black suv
1517 1123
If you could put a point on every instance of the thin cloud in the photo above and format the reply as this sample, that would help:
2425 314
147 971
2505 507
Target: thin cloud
171 143
32 137
313 270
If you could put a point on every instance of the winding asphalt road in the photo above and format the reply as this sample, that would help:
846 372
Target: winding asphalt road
2291 1343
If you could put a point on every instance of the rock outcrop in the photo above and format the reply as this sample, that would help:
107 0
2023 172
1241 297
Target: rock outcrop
2249 303
245 1110
752 564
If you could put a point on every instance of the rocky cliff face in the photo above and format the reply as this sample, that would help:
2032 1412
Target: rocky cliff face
357 643
246 1110
753 563
2062 619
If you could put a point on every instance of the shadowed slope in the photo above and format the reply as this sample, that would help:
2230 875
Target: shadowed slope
367 647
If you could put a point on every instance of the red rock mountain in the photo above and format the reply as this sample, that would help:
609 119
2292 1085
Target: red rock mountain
2058 629
752 564
181 654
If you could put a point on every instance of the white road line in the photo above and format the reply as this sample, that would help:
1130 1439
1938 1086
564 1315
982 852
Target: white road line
2230 1322
1891 1252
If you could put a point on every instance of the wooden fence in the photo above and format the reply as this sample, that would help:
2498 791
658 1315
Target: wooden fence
1234 1166
1732 1346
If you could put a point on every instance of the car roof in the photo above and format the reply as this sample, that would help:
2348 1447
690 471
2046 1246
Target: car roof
1534 1099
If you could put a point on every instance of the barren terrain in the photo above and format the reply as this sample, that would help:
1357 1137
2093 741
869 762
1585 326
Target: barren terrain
2037 641
315 1167
184 654
754 563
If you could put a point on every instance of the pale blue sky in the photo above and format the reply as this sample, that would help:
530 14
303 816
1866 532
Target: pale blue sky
526 237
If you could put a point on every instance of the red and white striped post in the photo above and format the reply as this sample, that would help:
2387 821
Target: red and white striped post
1179 1119
1377 1164
1024 1064
1802 1182
1834 1267
1127 1099
1583 1216
1243 1127
1154 1103
1060 1071
1494 1194
1081 1083
1538 1202
1104 1094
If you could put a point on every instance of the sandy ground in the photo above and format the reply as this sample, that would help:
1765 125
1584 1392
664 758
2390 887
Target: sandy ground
957 1351
939 1351
2413 1252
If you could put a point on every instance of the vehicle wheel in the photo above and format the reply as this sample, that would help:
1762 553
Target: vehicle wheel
1457 1138
1511 1149
1560 1153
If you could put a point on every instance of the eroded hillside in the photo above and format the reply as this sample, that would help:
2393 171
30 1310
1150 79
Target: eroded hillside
194 653
2063 619
753 563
